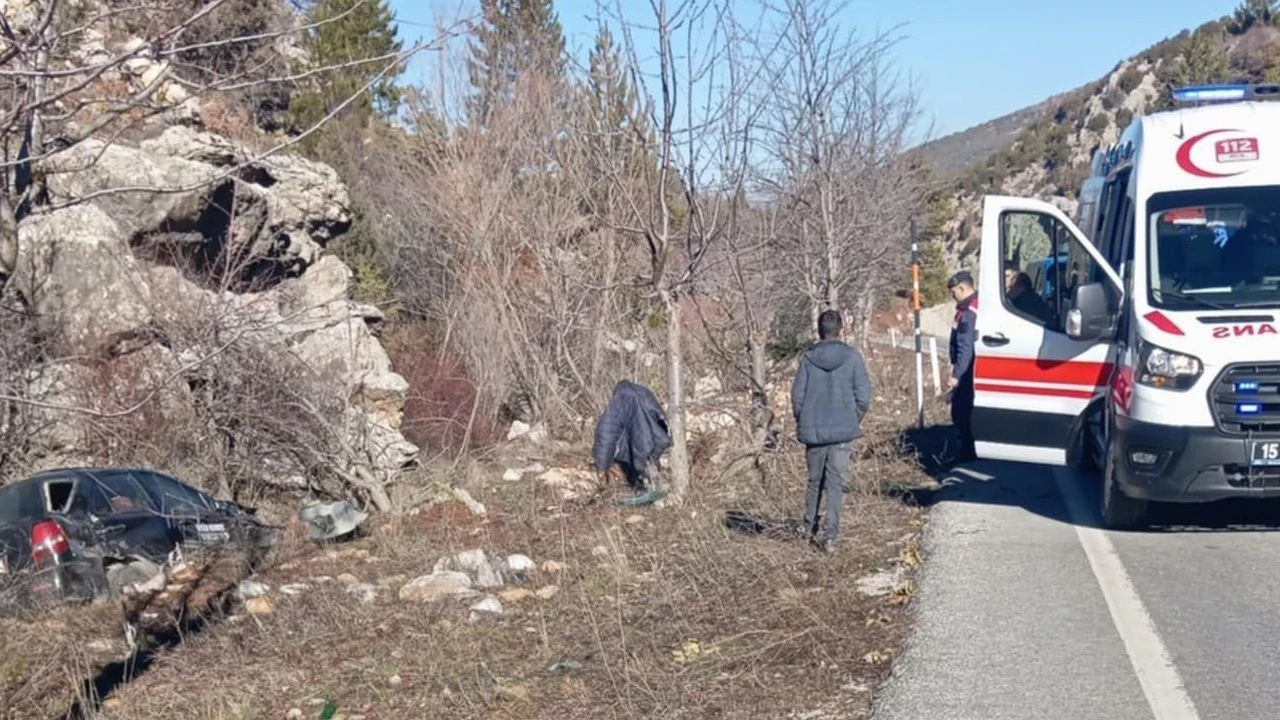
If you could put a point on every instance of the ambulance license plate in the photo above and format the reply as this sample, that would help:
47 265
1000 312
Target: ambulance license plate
1265 453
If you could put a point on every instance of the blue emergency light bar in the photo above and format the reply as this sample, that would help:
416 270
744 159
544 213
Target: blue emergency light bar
1225 92
1248 409
1248 386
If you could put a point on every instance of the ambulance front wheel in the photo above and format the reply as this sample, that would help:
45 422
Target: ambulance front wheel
1119 511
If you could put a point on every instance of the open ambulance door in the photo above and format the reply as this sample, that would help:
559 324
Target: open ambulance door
1044 343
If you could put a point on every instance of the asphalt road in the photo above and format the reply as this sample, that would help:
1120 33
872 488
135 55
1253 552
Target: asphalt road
1027 610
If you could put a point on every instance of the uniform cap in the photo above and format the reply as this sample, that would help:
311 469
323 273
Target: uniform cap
961 277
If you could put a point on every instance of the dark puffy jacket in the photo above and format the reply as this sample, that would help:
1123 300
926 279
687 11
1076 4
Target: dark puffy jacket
831 394
632 429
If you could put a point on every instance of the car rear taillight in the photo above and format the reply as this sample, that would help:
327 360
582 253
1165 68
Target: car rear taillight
48 541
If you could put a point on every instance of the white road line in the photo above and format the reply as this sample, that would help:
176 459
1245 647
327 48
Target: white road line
1147 653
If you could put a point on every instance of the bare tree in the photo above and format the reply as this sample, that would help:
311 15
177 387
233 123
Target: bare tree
838 129
677 211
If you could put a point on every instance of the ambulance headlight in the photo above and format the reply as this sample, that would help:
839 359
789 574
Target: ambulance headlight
1161 368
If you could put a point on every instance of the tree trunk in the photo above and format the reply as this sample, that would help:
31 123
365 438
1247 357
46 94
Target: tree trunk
679 462
765 435
603 316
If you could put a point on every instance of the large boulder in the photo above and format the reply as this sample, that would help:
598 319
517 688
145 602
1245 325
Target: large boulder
76 273
187 188
102 273
141 192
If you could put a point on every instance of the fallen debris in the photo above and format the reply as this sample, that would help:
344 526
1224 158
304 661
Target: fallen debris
329 521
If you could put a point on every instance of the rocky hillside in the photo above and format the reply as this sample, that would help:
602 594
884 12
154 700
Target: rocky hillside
1048 158
171 300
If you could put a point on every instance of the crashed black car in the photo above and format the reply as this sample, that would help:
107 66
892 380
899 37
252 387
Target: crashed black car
84 534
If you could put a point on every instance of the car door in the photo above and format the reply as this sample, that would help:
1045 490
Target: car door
1032 382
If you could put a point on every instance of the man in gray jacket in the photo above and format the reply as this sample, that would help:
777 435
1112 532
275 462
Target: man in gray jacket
829 398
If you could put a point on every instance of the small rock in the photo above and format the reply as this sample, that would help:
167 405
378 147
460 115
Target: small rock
112 704
879 584
394 681
518 429
101 646
475 564
600 551
489 605
294 588
635 519
512 475
436 586
571 483
552 567
464 497
520 563
348 579
515 595
294 714
365 592
251 589
548 592
259 606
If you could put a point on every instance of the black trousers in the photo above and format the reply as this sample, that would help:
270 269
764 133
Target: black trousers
962 413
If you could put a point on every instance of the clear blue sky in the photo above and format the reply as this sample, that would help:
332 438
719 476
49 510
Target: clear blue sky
972 60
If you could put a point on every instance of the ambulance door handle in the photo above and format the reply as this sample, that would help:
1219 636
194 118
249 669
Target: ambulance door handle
995 340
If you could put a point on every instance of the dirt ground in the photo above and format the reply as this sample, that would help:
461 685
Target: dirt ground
714 609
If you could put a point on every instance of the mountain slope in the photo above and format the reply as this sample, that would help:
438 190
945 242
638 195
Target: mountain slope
1049 155
951 155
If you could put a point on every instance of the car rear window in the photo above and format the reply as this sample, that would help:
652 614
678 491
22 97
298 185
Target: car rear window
19 503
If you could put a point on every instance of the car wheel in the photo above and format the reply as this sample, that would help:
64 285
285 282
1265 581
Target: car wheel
126 574
1119 511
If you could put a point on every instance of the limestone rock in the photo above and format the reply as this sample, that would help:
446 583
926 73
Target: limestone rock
142 192
476 565
436 586
81 281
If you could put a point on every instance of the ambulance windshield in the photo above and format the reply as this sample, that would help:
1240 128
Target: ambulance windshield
1215 248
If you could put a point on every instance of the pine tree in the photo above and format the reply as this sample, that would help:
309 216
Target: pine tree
934 267
348 31
615 118
1203 61
1254 12
515 37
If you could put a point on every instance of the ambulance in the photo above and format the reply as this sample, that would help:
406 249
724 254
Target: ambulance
1145 344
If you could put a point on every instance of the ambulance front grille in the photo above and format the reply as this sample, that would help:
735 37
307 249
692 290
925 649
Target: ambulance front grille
1246 399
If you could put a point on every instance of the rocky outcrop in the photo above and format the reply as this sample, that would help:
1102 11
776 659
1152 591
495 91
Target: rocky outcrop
134 241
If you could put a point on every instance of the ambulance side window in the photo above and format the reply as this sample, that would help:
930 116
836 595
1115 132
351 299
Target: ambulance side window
1044 263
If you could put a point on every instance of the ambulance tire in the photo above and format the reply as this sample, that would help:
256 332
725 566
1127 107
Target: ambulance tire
1119 511
1092 458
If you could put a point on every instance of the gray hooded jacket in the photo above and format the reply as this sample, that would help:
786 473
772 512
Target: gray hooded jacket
831 394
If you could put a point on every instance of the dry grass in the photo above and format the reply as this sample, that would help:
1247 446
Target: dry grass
657 612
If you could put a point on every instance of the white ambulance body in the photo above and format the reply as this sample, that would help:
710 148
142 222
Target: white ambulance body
1147 344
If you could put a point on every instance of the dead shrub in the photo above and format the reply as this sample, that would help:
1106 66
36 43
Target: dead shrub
443 411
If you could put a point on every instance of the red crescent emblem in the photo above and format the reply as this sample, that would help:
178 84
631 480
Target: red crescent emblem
1184 156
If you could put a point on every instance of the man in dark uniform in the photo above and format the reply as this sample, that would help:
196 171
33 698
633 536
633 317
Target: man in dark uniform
963 338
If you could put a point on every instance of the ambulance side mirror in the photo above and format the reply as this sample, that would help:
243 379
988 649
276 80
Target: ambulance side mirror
1090 317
